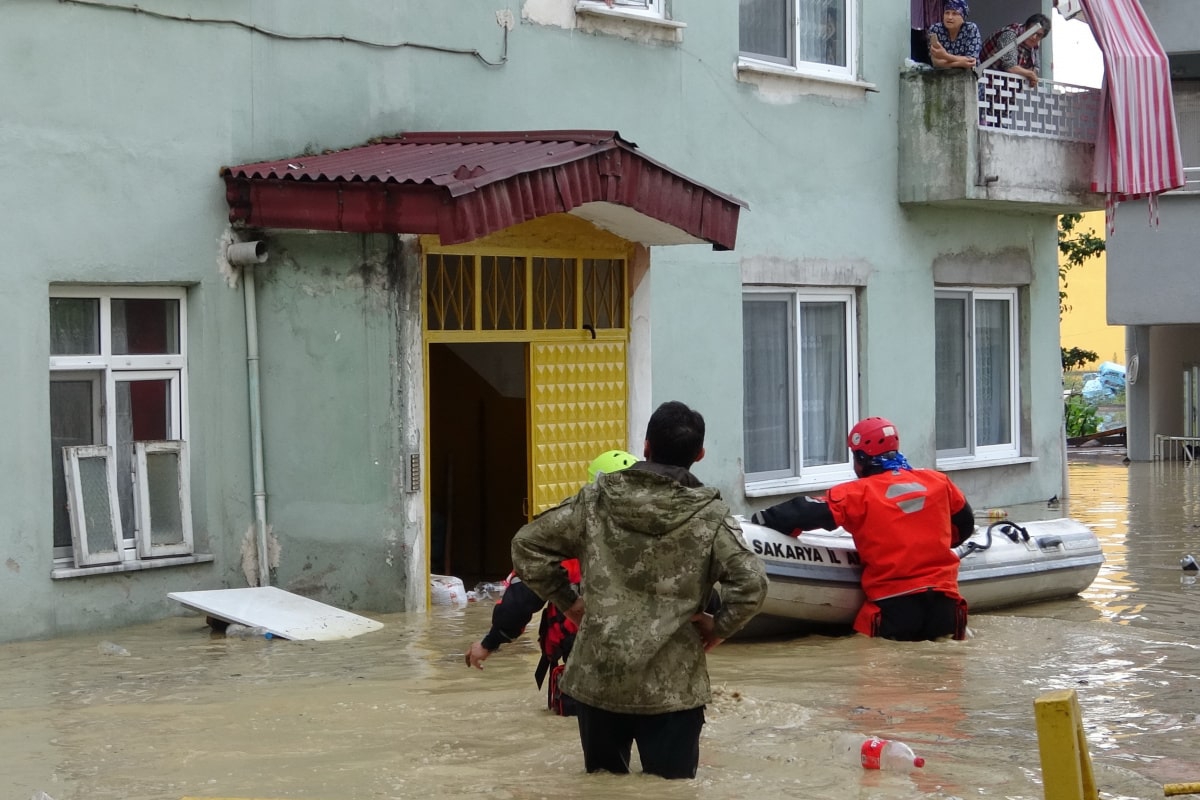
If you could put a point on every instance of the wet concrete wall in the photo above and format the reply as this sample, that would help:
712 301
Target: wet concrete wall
333 419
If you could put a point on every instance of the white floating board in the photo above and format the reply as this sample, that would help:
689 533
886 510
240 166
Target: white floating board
286 615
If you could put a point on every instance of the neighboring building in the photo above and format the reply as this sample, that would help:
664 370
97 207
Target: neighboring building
1152 269
451 283
1084 323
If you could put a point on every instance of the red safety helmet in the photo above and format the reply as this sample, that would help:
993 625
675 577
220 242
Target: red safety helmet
873 436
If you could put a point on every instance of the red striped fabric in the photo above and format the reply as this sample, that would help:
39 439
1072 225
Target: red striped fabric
1137 147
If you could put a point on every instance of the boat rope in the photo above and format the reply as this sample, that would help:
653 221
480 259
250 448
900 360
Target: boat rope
1010 529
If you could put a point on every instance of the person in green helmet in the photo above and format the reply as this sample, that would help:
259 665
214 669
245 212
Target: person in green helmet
556 633
610 461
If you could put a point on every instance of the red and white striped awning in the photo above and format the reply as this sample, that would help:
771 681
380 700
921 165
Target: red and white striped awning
1137 147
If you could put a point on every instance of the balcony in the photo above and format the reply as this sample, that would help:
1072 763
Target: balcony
995 142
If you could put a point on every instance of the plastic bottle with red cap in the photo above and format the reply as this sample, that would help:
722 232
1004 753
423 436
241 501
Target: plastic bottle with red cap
888 754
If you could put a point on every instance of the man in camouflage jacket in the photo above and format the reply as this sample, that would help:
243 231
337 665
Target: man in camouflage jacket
652 541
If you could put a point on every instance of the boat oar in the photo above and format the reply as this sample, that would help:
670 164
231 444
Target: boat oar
1172 789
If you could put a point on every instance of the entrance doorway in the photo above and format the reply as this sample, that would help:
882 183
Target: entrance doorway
526 381
477 457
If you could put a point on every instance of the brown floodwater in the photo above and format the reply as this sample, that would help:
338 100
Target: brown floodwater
395 713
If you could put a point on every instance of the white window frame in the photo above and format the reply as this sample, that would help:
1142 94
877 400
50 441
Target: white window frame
975 452
812 68
110 369
654 9
84 555
1186 97
798 476
143 452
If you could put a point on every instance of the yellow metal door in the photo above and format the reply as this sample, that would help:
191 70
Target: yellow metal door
576 412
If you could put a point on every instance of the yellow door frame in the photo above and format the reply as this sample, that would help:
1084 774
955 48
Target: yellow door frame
559 237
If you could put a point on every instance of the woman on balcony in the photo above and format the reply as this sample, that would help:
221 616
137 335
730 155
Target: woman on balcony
1019 57
954 42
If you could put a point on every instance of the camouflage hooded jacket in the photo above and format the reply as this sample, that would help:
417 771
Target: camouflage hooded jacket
651 542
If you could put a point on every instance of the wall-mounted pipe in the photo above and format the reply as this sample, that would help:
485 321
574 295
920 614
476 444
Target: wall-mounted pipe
246 255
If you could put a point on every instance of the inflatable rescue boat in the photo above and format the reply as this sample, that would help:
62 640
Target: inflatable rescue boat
814 578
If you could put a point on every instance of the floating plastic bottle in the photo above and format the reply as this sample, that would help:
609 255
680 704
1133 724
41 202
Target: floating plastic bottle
236 631
888 754
487 591
112 649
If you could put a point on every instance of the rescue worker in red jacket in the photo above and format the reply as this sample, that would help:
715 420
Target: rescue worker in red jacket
556 633
905 523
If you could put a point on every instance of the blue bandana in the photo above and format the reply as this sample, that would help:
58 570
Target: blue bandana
892 461
957 5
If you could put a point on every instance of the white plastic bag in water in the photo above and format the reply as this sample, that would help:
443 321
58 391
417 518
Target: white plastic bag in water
447 590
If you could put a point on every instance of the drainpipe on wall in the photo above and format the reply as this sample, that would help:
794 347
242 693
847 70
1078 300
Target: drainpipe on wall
246 255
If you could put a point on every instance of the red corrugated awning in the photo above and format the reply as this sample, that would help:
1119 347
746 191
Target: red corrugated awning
464 185
1137 148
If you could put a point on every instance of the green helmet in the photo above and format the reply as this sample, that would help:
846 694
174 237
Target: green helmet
612 461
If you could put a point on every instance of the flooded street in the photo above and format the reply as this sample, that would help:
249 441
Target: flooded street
395 713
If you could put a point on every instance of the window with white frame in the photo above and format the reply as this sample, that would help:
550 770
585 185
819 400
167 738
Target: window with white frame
1187 117
799 356
652 8
977 384
813 36
118 424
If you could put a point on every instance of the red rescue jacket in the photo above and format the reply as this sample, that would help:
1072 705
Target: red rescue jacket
914 506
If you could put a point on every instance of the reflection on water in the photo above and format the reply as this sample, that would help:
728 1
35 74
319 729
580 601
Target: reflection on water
395 714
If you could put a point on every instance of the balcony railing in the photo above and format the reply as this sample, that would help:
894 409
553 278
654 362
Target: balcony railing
1055 110
1191 176
1060 110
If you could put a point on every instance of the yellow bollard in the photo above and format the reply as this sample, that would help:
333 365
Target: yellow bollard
1172 789
1066 763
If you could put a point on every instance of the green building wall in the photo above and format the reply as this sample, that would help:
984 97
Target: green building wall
118 123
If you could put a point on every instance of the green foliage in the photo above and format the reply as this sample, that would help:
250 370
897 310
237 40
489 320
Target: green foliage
1081 415
1078 246
1076 356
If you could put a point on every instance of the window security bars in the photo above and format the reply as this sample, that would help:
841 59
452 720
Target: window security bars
1054 110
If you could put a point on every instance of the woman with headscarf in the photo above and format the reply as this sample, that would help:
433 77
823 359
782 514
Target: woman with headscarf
954 42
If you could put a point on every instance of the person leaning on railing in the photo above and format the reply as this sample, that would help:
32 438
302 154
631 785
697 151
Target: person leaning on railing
954 42
1018 53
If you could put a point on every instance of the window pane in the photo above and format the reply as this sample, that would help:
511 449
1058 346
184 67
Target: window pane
143 415
950 327
450 293
823 383
767 385
503 295
145 327
162 482
764 28
1187 117
72 424
97 504
604 292
821 35
74 326
553 293
993 371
